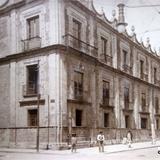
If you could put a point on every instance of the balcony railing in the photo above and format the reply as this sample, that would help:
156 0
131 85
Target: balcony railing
80 45
144 76
105 58
127 68
30 90
31 43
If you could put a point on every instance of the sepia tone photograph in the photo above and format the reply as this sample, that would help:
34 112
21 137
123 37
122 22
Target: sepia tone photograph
79 79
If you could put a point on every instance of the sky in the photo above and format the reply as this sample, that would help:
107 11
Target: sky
146 20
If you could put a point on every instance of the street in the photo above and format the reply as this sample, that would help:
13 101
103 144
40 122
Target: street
82 154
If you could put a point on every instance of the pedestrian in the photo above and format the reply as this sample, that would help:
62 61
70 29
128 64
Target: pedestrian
73 142
100 140
129 138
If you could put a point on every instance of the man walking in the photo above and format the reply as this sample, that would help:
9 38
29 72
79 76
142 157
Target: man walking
73 142
100 139
129 138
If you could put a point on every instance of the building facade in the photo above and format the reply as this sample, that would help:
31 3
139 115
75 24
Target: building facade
66 69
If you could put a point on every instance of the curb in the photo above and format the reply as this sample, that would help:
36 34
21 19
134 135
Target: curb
43 152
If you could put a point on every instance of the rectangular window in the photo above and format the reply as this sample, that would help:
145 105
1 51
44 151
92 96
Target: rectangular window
156 105
155 75
143 101
32 117
78 85
32 79
126 98
33 27
143 123
76 33
141 69
125 53
106 93
78 117
157 123
104 47
127 121
106 119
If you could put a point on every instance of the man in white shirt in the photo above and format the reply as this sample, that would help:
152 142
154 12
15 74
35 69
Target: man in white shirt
100 139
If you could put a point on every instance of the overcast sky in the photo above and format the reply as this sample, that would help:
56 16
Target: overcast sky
145 19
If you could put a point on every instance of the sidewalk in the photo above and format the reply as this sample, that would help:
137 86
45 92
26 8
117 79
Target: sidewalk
93 150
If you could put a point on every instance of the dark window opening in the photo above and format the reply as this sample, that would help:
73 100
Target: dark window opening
125 53
32 79
78 117
156 105
141 69
104 47
157 123
144 123
155 75
106 93
32 117
126 98
143 101
127 123
78 85
106 119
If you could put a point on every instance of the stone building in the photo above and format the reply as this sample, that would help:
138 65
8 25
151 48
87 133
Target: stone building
65 68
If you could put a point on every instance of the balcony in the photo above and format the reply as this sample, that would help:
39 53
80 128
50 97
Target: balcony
106 104
157 82
144 76
30 90
127 68
106 58
31 43
79 45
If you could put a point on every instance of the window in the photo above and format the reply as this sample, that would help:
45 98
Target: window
157 123
125 53
78 85
32 117
33 27
126 98
143 123
141 69
127 121
32 79
104 47
78 117
155 75
106 119
106 93
156 105
143 101
76 33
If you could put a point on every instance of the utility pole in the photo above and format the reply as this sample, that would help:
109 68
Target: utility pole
48 121
38 99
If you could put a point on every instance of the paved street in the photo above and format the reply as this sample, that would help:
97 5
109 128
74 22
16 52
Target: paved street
138 151
141 154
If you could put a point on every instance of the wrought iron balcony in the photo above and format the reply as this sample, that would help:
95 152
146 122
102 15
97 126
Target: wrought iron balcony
30 89
105 58
31 43
127 68
144 76
80 45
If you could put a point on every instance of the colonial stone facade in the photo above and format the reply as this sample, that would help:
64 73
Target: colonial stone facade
66 69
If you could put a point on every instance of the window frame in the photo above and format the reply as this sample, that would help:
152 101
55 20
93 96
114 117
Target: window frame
30 118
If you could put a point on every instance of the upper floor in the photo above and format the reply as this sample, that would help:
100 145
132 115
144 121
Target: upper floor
30 24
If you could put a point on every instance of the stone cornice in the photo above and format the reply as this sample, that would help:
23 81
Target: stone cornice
11 7
32 53
71 51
